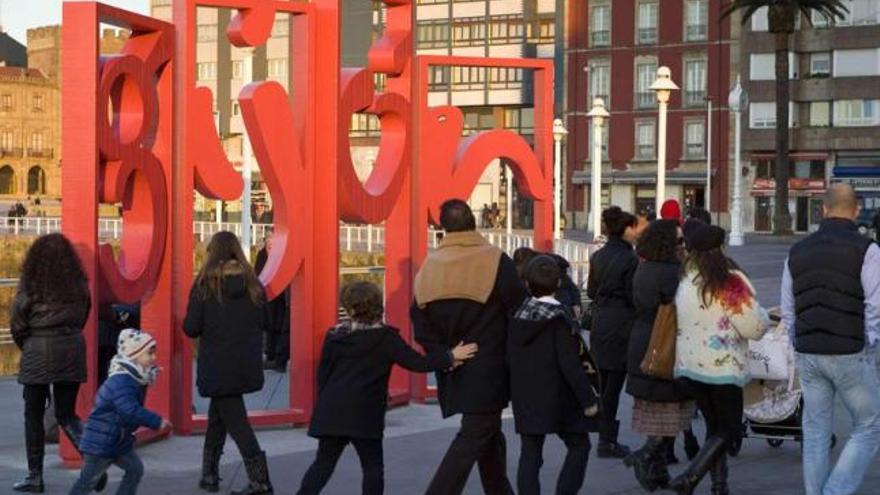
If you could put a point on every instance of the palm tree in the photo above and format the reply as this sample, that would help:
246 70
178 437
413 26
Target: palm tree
782 15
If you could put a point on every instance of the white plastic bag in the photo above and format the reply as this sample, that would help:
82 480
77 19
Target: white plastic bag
771 357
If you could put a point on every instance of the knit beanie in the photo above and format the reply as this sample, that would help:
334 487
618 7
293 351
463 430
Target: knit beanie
707 238
671 211
133 342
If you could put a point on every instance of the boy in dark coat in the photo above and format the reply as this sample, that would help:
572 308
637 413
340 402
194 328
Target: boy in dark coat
553 381
353 376
118 413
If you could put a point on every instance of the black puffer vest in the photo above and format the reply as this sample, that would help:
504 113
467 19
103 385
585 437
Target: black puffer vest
826 270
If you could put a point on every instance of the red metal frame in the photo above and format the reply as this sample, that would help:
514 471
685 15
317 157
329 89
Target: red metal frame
159 149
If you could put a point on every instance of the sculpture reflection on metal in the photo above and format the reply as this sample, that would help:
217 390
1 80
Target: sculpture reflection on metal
161 146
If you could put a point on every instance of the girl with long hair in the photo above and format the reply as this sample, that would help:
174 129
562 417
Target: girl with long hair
227 312
50 308
717 315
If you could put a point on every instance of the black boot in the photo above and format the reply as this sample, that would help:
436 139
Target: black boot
210 481
718 474
33 483
691 444
609 448
686 483
74 430
649 463
670 452
258 473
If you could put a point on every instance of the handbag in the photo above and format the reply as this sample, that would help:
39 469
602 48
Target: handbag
771 358
659 360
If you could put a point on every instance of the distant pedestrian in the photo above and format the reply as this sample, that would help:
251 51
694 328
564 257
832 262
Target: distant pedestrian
662 408
717 314
465 291
119 411
227 312
353 376
831 308
610 288
671 210
50 308
554 382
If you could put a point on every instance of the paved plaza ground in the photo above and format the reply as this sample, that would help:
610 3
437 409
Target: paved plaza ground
416 439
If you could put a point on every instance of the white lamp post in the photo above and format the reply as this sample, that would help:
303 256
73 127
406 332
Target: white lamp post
559 134
738 100
664 86
247 169
598 113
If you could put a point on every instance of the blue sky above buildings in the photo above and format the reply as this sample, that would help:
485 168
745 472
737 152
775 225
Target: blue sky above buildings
17 16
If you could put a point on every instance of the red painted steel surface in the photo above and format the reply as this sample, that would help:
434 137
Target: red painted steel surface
161 146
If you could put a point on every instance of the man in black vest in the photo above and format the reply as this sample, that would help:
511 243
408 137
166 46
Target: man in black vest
831 307
464 292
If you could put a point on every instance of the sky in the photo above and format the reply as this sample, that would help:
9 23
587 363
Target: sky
16 16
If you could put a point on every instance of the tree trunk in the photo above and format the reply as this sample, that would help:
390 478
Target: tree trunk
781 214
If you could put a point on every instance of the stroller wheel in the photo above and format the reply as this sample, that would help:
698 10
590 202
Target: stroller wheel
775 442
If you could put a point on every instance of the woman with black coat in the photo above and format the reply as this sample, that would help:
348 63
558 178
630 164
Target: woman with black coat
227 312
50 308
610 287
353 376
662 408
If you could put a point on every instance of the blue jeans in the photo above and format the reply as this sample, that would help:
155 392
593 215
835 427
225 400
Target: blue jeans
94 467
853 378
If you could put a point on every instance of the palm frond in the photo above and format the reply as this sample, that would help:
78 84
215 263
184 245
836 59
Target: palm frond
748 8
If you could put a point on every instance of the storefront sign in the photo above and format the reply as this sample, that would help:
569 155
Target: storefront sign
798 187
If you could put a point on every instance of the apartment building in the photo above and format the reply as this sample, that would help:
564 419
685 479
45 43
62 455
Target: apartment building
489 98
834 113
614 50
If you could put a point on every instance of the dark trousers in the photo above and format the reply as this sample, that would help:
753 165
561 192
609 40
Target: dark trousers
721 407
36 398
612 386
330 448
574 469
480 440
228 415
94 468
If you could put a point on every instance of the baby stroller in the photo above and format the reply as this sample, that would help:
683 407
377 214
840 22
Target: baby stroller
773 399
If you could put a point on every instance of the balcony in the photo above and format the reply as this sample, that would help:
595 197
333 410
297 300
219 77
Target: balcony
694 98
11 152
698 32
647 36
645 99
40 153
600 38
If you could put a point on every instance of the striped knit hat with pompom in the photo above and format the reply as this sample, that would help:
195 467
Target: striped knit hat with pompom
133 342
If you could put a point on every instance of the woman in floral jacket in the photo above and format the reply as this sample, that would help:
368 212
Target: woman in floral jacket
717 315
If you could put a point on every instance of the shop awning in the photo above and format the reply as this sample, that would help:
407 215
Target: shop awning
626 177
797 155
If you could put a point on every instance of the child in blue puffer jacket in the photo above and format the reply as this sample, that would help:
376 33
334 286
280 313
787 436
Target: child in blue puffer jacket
119 411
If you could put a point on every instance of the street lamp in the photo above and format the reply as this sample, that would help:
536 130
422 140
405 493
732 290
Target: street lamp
738 100
247 169
598 113
559 134
664 86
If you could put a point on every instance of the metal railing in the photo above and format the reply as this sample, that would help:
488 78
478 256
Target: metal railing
600 38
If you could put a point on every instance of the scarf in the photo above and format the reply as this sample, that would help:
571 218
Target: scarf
464 266
122 365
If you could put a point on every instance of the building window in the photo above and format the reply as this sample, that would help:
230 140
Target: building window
856 63
278 69
37 103
695 82
600 25
36 181
281 29
646 72
364 125
438 79
856 113
206 32
207 71
861 13
6 140
647 32
237 69
37 141
468 31
820 64
521 120
542 31
6 102
696 20
433 34
762 66
644 139
506 29
505 78
468 78
600 81
820 113
760 20
819 20
694 139
763 115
